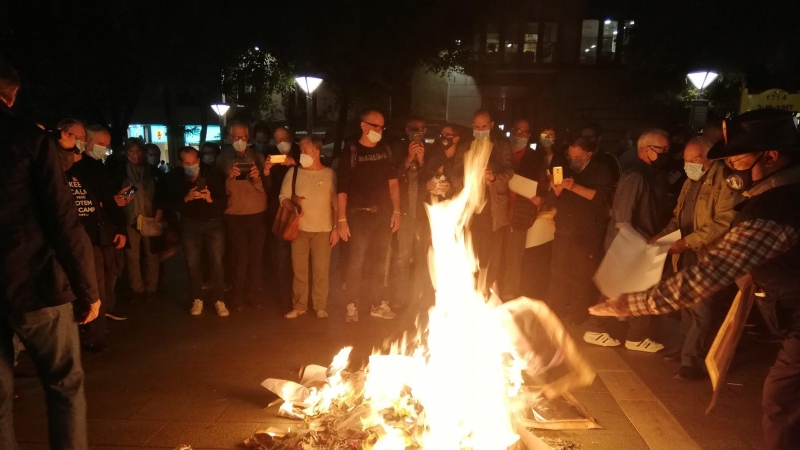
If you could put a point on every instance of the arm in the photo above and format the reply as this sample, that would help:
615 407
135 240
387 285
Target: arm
584 192
67 235
504 165
745 247
626 198
286 187
720 223
394 194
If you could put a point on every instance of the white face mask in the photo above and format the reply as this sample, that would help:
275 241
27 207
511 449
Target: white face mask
518 143
98 151
240 146
152 160
694 170
284 147
484 134
80 145
306 160
374 136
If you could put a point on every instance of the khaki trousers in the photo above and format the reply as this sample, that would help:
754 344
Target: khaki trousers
317 245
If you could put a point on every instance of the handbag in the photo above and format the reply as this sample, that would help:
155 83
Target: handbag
148 227
287 221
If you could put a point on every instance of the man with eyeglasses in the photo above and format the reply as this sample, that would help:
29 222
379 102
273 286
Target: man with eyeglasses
245 214
412 150
638 202
762 149
369 212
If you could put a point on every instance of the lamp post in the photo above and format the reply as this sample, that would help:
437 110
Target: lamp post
220 109
309 85
698 112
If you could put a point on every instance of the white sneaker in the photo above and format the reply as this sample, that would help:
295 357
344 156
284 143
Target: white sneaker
222 311
646 345
383 311
352 313
601 339
197 307
293 314
322 314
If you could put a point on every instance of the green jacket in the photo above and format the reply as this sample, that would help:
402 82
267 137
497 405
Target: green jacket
713 211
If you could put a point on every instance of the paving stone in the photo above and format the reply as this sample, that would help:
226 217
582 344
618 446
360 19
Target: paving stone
211 435
122 432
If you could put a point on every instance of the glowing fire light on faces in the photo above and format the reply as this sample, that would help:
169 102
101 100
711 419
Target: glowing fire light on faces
457 376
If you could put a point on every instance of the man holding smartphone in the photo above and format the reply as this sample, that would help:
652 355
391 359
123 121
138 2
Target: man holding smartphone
245 213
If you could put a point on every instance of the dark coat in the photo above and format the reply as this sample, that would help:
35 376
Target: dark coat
532 166
47 258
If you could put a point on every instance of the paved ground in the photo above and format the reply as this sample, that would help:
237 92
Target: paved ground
170 379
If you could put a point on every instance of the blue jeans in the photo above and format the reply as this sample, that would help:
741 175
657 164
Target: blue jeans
369 241
208 235
50 336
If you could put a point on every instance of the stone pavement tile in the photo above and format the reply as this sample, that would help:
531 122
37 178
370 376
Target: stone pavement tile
114 447
114 406
33 446
30 405
209 435
122 432
626 386
597 439
245 411
657 426
597 387
31 430
205 407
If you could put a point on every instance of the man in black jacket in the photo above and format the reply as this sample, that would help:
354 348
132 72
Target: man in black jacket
47 263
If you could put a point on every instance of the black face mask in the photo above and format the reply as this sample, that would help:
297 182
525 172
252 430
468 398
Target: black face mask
661 160
742 180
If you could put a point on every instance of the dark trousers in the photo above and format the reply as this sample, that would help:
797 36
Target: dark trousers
781 400
281 254
209 236
510 281
247 233
403 277
573 265
536 271
371 234
487 244
50 336
95 331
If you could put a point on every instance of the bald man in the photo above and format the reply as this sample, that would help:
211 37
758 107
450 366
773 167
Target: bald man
704 214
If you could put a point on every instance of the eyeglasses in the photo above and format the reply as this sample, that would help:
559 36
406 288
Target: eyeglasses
374 125
547 136
521 131
658 148
449 136
238 138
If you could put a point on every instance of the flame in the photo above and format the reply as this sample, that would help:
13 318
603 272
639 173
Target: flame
450 383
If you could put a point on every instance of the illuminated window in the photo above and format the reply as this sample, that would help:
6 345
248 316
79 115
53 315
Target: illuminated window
530 42
158 134
136 131
588 48
609 42
511 45
492 43
191 134
549 40
627 28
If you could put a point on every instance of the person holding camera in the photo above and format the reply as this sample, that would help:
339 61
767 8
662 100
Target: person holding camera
197 194
245 214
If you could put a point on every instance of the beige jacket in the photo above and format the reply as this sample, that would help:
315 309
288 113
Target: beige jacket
712 215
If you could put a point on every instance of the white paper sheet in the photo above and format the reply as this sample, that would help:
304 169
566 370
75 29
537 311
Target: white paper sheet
631 264
523 186
542 231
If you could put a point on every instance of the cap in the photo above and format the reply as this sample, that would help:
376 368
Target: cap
757 131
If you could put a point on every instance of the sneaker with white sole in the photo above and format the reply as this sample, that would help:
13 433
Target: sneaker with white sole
322 314
352 313
197 307
601 339
383 311
293 314
222 311
646 345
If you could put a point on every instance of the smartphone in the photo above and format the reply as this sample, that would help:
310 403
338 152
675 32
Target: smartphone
558 175
277 159
417 138
244 170
131 190
201 184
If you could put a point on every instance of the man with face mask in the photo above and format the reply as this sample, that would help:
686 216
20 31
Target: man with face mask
638 202
197 193
581 202
521 211
72 141
245 213
276 250
704 214
369 212
762 148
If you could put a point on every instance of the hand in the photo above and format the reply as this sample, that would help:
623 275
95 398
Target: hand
568 183
193 194
334 239
159 216
206 195
613 307
254 175
557 188
536 200
432 185
395 222
677 247
234 172
653 239
421 154
413 148
289 162
120 241
122 200
344 231
94 311
488 176
267 167
445 186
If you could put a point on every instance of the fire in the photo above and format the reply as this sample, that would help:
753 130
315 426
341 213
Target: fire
451 386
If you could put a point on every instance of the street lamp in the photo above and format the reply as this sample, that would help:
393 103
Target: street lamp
701 80
220 109
309 85
698 112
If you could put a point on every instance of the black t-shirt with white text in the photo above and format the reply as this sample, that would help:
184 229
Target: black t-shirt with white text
365 177
88 206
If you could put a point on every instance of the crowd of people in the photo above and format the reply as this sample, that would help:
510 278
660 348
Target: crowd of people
116 214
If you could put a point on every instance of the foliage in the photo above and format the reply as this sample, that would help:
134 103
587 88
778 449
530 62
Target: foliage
252 82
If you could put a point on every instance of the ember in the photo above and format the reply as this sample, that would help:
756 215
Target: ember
454 385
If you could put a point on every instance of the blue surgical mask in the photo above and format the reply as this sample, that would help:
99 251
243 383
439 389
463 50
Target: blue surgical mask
261 147
152 160
483 134
192 171
209 159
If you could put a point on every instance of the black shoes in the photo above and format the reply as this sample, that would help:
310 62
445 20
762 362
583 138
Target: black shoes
690 373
